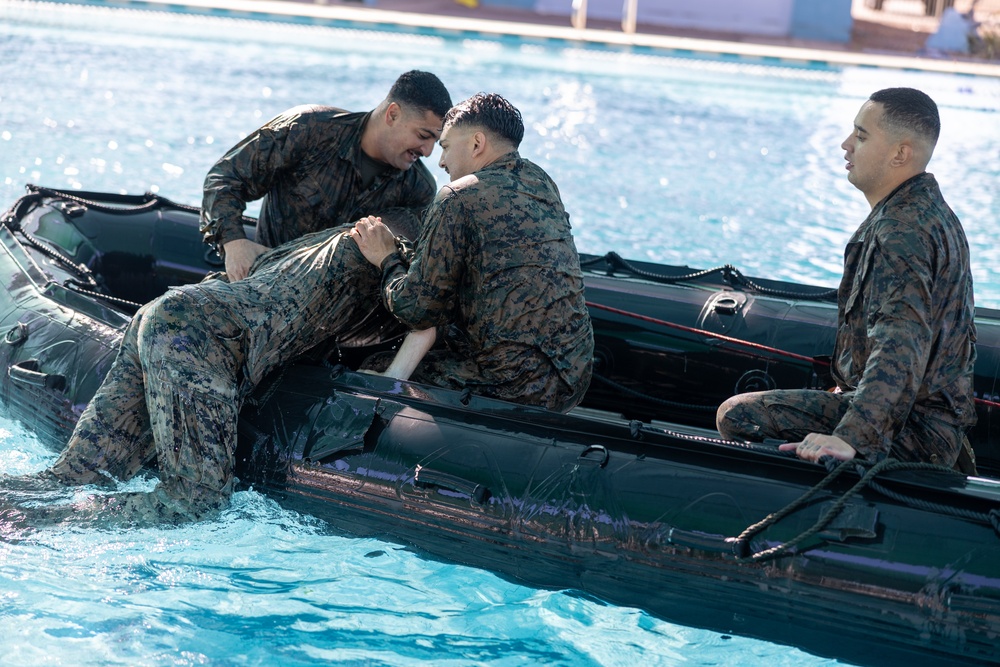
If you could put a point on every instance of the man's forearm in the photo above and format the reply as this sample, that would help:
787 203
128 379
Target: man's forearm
414 347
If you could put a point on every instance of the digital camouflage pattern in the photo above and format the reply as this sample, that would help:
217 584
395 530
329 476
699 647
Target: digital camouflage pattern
905 347
306 164
190 358
496 258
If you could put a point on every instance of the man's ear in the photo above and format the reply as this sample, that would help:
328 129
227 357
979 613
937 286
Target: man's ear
393 113
903 154
478 144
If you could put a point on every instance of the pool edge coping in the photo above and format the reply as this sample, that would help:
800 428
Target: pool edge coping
483 27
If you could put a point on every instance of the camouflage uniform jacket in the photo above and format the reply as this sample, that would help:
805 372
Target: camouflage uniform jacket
496 258
305 163
906 337
316 288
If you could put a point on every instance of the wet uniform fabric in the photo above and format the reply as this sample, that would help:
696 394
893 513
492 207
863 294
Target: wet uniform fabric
308 166
905 349
496 258
190 358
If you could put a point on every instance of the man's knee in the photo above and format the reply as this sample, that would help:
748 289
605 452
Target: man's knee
734 418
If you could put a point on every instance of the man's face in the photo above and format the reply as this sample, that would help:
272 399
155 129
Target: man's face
457 144
411 136
868 150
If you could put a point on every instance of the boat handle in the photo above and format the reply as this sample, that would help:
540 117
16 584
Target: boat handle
17 334
727 305
427 479
596 448
213 258
26 372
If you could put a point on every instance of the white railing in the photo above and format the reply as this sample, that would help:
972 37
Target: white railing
578 17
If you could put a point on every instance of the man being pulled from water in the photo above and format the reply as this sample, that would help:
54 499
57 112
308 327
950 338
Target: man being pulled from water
190 358
905 349
187 362
496 258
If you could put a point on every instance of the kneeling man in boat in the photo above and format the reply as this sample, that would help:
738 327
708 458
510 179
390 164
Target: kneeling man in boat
905 347
496 262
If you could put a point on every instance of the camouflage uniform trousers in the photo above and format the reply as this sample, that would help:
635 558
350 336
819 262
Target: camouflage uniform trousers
173 394
791 414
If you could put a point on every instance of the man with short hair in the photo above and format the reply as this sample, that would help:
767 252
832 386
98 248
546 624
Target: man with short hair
905 348
319 167
495 261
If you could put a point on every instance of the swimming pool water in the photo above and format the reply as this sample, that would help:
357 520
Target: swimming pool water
658 156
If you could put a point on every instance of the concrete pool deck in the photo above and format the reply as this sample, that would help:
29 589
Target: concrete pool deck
878 39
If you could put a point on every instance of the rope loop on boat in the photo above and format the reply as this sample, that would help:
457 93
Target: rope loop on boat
992 517
831 512
867 476
149 201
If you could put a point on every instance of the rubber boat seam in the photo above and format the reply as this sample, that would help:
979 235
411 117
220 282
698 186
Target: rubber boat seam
730 274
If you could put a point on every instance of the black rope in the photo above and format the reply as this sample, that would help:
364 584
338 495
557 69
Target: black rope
114 300
149 200
827 516
922 504
82 271
991 518
730 274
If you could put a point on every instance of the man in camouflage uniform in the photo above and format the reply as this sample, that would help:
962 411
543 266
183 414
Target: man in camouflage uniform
190 358
496 258
905 348
319 167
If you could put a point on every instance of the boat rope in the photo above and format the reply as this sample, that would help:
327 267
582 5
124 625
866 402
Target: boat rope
867 477
149 201
114 300
82 271
736 341
920 503
730 275
743 538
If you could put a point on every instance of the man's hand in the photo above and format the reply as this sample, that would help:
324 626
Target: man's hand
374 239
815 445
240 254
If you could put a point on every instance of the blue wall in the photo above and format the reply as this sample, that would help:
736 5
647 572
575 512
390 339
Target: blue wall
824 20
518 4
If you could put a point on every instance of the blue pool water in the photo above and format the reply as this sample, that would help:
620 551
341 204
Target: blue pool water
657 155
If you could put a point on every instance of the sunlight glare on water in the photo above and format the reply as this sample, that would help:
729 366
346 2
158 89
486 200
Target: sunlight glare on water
660 157
657 157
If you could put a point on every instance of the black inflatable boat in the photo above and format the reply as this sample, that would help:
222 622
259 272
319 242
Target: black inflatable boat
630 498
